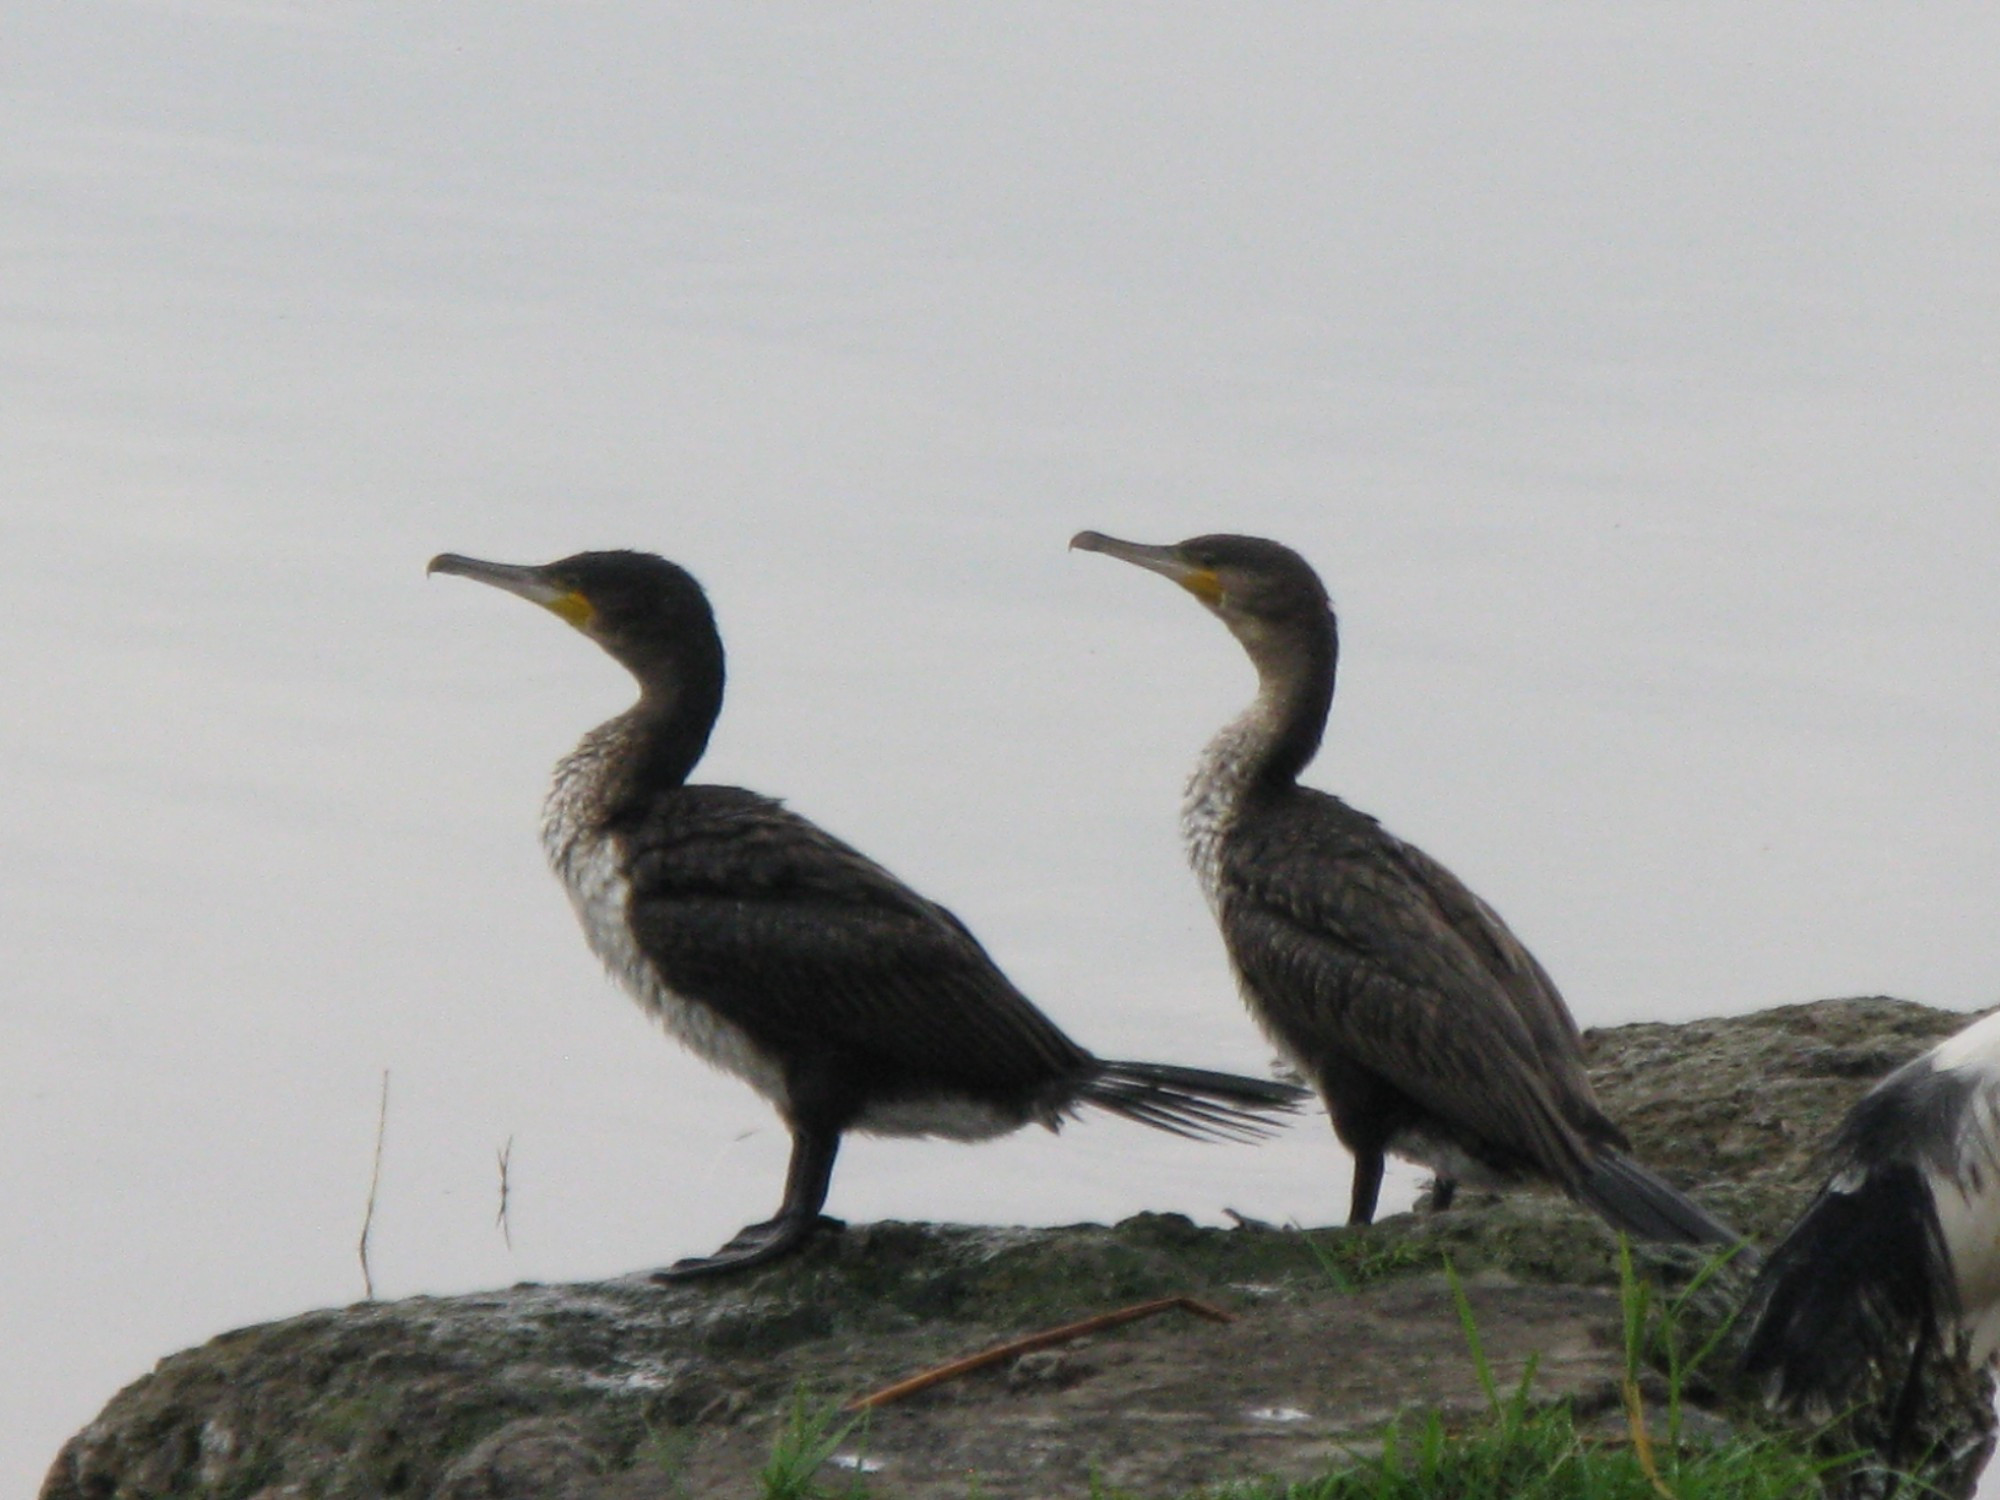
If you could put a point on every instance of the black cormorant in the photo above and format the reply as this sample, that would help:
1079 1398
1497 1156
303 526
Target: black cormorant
780 954
1429 1029
1898 1257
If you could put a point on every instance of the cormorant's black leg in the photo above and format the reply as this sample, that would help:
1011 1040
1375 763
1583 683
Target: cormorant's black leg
798 1217
1367 1186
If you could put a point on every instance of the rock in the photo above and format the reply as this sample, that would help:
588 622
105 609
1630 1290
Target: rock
534 1458
625 1390
1056 1369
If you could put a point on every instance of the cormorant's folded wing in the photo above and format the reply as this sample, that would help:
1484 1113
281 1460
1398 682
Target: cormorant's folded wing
807 944
1336 915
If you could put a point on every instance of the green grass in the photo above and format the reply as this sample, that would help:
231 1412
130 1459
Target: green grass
810 1436
1536 1453
1519 1449
1350 1262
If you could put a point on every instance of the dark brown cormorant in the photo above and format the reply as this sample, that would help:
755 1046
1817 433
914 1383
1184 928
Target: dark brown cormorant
1429 1029
780 954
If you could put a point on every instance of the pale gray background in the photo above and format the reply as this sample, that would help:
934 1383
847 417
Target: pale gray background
1629 371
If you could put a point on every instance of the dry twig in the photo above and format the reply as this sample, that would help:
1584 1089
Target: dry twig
374 1185
1025 1345
500 1220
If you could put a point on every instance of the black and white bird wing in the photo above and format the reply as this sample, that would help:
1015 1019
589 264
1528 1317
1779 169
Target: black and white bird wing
1902 1243
1321 905
813 950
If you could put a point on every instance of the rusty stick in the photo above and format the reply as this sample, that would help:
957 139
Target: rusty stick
1030 1342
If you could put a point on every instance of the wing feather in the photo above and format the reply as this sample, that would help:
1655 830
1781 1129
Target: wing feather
1407 974
813 948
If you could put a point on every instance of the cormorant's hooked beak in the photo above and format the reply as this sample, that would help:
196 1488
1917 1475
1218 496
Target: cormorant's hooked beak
1166 561
532 584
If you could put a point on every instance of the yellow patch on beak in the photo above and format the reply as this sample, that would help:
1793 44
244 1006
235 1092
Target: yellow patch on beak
573 607
1203 584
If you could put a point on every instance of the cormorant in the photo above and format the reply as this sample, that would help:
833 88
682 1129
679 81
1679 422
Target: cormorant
1899 1254
1429 1029
778 953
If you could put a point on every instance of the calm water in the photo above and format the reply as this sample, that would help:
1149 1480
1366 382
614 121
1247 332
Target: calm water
1630 381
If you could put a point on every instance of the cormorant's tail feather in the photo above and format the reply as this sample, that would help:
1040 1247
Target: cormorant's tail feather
1862 1279
1634 1200
1194 1102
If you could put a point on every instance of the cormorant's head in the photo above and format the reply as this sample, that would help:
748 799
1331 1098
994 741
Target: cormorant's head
1267 594
647 612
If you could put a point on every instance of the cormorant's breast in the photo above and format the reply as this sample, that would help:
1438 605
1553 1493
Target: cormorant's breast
589 854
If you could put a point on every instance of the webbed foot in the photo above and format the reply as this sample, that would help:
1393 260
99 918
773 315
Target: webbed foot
753 1245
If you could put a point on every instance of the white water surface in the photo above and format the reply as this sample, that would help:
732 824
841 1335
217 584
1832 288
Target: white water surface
1629 373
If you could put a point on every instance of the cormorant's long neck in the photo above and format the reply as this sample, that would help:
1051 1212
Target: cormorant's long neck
1270 742
1276 737
674 717
1295 673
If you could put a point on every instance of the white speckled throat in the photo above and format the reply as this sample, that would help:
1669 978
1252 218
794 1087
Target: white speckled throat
1215 791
